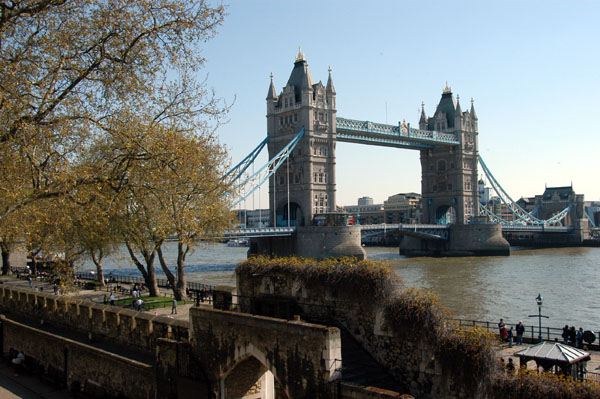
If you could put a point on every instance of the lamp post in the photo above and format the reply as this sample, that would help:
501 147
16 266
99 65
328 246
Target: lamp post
539 300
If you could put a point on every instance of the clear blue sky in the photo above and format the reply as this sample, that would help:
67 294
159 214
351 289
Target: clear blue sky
532 67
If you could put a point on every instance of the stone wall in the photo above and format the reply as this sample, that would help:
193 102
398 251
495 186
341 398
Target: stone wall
301 356
103 322
81 364
404 353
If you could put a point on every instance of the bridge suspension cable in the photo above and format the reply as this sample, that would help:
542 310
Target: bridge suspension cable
238 170
519 213
258 178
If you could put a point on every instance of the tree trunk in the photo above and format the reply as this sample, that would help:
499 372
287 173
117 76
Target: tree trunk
177 294
148 274
98 262
182 250
5 261
151 279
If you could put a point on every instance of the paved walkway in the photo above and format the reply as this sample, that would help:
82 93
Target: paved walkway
26 386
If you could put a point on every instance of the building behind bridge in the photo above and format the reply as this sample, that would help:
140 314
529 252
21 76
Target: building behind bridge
398 208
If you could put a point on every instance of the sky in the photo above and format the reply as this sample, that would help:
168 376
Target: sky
531 67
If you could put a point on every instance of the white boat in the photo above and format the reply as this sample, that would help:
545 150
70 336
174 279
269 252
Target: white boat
237 242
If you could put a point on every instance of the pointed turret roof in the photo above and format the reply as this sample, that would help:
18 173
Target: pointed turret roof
473 114
447 106
300 77
423 114
458 110
330 88
272 94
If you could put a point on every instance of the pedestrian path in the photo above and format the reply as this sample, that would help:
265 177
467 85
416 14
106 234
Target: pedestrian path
24 386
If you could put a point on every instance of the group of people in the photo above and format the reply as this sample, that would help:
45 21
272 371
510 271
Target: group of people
509 336
569 335
572 337
136 298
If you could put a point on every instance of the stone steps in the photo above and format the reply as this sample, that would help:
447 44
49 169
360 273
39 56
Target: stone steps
360 368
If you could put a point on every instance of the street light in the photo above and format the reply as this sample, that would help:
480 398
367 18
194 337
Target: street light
539 299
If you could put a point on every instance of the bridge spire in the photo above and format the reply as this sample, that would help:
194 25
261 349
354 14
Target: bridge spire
330 88
473 114
423 119
272 94
300 56
447 89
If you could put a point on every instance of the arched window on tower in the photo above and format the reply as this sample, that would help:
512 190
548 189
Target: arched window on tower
441 165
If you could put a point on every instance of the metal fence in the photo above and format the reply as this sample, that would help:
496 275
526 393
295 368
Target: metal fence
162 282
532 332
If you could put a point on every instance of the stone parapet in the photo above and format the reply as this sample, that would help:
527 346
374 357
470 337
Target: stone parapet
124 326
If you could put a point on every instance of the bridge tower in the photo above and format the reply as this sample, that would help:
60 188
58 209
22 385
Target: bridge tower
449 174
311 166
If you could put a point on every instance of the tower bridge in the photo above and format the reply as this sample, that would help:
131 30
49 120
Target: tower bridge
302 131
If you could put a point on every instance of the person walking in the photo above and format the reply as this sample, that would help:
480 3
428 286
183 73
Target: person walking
174 308
502 330
565 334
572 336
520 331
579 338
111 299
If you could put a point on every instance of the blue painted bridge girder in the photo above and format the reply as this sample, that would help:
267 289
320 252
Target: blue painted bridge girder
371 133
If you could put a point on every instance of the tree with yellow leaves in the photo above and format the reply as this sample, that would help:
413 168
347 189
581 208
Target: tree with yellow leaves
71 74
173 190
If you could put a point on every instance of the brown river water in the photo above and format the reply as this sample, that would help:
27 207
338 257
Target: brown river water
474 288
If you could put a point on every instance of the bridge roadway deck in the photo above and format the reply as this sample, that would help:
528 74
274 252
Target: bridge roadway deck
286 231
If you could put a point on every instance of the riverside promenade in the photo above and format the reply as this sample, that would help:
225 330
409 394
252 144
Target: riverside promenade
26 386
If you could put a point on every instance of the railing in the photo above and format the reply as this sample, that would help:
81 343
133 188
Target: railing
261 232
347 128
191 285
432 135
531 334
405 226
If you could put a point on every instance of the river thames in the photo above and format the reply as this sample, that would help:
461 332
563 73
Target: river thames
477 288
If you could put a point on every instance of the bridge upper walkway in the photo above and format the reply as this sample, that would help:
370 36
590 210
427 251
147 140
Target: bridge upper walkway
366 132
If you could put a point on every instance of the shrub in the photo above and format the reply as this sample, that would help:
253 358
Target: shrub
529 384
469 352
416 310
369 279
